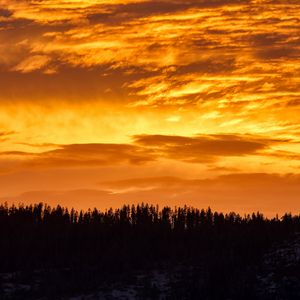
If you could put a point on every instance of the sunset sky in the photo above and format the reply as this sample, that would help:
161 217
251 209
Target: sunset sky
106 102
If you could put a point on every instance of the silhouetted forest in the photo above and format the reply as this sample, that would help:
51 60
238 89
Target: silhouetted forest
206 253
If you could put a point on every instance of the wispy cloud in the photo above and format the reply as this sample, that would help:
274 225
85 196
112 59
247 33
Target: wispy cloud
200 149
205 148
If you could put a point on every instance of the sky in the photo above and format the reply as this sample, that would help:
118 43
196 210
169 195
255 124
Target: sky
171 102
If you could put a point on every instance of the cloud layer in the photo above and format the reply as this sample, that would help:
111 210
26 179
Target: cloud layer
96 92
245 193
200 149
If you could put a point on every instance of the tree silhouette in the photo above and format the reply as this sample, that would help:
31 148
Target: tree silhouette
216 254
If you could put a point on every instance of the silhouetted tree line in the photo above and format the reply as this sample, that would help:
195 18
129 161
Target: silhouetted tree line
213 254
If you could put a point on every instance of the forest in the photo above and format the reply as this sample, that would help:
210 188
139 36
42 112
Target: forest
60 252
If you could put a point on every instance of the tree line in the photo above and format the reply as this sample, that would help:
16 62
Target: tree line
78 250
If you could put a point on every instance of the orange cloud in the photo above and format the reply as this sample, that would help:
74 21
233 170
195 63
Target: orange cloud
83 155
6 133
244 193
201 149
205 148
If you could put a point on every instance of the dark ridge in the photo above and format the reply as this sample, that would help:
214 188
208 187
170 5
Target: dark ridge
57 252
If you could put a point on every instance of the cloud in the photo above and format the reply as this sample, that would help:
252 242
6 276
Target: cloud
128 11
99 154
5 13
32 63
65 84
240 178
200 149
206 58
5 135
152 182
75 155
203 148
240 192
278 53
125 12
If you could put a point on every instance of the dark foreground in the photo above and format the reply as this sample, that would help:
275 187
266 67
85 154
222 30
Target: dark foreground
146 253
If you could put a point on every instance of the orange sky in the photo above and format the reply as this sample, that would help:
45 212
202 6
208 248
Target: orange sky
105 102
